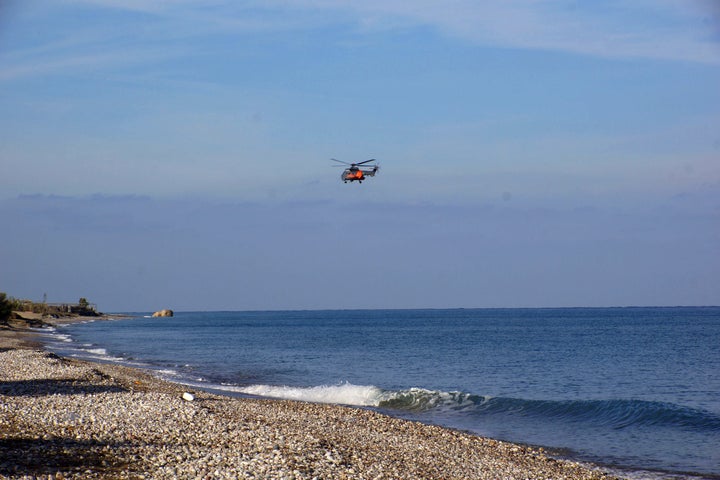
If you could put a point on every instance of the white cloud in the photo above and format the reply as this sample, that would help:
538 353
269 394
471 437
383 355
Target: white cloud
667 30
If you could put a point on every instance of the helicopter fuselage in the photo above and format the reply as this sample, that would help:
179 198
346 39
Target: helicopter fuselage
350 175
353 174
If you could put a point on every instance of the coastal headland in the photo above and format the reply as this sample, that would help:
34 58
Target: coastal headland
66 418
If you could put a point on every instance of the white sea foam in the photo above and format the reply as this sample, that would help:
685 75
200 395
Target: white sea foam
166 372
43 330
416 399
80 322
94 354
343 394
52 332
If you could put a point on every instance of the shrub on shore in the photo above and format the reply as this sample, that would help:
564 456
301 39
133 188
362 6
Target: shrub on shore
5 308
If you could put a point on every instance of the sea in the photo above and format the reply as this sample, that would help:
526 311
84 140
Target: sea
635 390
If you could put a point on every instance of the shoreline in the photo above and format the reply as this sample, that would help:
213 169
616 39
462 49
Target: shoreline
69 418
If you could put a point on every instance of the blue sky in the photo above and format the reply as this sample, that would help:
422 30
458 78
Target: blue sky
176 154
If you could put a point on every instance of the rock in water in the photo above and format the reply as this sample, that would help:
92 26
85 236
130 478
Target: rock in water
163 313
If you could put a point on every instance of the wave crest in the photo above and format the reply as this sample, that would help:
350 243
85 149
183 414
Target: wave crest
420 399
343 394
616 414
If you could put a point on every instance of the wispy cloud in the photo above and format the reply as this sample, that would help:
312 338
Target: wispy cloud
126 33
668 30
61 63
662 29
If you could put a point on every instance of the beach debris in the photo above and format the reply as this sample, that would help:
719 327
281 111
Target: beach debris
188 396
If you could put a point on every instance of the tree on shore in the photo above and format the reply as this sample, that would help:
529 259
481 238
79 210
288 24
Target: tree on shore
5 308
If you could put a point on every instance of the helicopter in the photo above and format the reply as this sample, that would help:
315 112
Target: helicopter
354 172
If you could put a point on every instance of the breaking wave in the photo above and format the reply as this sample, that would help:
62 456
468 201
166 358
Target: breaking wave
343 394
615 414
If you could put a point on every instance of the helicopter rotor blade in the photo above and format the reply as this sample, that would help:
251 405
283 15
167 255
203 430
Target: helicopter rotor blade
340 161
366 161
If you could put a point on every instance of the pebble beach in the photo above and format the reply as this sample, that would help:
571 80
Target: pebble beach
65 418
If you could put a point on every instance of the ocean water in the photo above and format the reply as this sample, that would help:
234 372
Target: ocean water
632 388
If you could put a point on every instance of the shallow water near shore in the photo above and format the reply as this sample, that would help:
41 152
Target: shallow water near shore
637 388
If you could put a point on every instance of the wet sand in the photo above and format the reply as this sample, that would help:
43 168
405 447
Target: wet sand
66 418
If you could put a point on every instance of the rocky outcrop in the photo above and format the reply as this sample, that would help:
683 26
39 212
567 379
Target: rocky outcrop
163 313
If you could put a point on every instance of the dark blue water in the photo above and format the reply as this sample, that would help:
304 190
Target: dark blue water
629 387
